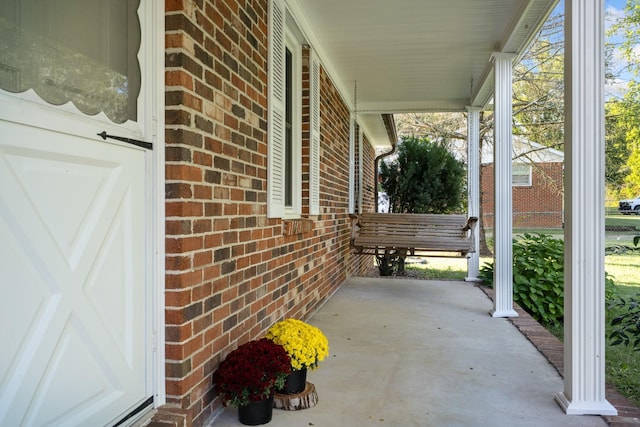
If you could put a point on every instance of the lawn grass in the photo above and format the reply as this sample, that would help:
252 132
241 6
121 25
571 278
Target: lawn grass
437 268
625 269
623 220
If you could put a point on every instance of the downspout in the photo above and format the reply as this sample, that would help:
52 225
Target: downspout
390 125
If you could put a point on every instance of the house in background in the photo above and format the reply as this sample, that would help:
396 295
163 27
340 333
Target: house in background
537 179
178 175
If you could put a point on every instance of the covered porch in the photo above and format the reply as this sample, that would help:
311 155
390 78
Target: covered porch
426 353
388 58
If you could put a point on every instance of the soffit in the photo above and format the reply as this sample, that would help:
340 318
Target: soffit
415 55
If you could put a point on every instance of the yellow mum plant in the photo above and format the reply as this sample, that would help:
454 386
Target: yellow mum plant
305 344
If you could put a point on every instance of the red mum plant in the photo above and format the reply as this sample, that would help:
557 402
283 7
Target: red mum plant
250 372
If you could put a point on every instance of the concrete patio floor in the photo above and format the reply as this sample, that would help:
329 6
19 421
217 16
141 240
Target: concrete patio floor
424 353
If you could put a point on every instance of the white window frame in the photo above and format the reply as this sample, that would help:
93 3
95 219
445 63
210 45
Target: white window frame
295 47
518 175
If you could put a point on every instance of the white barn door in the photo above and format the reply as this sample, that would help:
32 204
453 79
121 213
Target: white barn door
75 217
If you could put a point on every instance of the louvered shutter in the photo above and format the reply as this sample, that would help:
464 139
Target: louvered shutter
276 125
314 116
352 163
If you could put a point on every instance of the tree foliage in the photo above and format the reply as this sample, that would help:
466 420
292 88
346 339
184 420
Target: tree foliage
425 177
616 147
623 121
538 88
628 25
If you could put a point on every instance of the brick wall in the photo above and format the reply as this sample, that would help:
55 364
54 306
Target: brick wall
537 206
231 271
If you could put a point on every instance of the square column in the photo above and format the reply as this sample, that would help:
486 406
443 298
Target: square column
473 187
503 216
584 332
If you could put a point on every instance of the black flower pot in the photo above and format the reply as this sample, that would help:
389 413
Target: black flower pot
256 412
295 383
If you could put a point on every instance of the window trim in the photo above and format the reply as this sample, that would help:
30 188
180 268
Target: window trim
295 47
520 182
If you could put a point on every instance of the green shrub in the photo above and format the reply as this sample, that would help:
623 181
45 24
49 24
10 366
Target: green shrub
610 288
538 276
625 327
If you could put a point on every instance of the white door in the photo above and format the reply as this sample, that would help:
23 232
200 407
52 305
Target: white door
75 216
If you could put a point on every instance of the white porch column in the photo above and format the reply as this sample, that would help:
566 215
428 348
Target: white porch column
584 334
473 186
502 220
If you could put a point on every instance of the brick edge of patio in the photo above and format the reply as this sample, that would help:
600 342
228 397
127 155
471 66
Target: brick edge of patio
553 350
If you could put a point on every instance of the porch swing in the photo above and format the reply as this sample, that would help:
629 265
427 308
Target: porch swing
425 235
422 235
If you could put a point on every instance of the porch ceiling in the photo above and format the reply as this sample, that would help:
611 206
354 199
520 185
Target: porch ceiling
415 55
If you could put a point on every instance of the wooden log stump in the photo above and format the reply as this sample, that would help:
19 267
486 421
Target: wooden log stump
308 398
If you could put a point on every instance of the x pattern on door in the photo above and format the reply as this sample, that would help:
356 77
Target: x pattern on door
72 271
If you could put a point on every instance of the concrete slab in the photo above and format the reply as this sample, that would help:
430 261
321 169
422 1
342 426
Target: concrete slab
424 353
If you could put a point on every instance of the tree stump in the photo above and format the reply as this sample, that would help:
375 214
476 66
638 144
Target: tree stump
308 398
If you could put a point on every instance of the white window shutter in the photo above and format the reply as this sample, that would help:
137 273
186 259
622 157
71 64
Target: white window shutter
276 125
352 163
314 117
360 169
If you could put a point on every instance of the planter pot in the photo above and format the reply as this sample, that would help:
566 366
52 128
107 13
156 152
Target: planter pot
256 412
295 382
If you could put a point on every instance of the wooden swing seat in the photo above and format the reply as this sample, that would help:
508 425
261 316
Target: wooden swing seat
415 234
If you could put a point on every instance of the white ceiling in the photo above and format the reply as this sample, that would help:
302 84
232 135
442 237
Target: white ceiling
393 56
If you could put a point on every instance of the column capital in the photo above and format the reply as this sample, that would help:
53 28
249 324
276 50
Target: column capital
505 56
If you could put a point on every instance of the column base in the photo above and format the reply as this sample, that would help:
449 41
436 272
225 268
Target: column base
503 313
472 279
585 408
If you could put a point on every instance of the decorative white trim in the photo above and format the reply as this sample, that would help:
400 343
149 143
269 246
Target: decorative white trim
503 234
360 168
473 186
275 130
352 162
314 134
585 408
584 317
32 101
156 52
295 47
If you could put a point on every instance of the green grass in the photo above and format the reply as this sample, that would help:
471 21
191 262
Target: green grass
623 220
437 268
625 270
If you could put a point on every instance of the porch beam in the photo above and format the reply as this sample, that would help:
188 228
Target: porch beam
584 333
473 186
502 152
